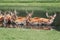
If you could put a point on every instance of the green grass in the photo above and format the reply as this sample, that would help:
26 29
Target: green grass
29 1
28 34
31 6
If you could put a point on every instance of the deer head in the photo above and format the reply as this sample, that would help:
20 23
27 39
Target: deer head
51 17
29 14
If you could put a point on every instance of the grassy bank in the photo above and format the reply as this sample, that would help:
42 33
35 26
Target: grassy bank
28 34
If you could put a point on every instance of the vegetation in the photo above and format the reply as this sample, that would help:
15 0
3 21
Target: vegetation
29 1
38 6
31 6
28 34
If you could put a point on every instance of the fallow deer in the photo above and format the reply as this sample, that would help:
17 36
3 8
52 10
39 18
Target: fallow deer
1 18
7 19
24 20
20 21
35 21
49 20
28 17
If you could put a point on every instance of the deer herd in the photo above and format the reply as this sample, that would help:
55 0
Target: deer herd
10 19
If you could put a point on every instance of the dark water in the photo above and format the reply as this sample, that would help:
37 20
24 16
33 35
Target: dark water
57 28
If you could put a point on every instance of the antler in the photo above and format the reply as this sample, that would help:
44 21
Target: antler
32 12
11 13
47 14
0 11
27 12
15 12
54 15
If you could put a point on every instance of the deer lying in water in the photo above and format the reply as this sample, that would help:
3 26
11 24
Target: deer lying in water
39 21
23 21
35 21
1 18
7 19
49 20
